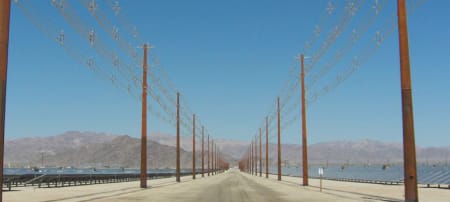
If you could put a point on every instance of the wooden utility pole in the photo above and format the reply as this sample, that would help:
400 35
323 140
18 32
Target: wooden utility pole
216 159
144 122
409 145
219 160
178 139
267 147
304 143
260 152
5 9
213 154
212 157
203 153
208 154
193 147
247 161
251 157
256 156
279 143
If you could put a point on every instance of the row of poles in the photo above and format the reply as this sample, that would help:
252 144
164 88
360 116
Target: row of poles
250 162
217 162
410 173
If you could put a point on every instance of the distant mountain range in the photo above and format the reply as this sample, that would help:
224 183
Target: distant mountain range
333 152
88 149
361 152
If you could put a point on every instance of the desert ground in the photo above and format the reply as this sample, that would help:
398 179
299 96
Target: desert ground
231 185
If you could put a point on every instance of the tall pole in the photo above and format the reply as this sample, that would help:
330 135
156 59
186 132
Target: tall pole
144 122
304 143
203 153
260 153
5 8
218 161
248 160
251 157
279 144
215 159
208 154
178 138
193 147
267 147
213 154
409 146
215 162
255 157
212 157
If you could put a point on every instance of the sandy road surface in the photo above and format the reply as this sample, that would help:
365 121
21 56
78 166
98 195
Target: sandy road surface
234 186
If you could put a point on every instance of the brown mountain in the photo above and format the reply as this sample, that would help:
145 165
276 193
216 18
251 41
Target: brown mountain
29 150
86 149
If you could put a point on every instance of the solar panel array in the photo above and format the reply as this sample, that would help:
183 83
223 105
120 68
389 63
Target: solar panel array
434 176
427 174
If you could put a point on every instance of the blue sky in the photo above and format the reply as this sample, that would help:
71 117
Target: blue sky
230 60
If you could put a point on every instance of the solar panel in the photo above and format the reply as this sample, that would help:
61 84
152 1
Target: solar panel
375 173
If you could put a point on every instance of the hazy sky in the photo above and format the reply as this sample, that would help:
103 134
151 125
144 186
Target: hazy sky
230 59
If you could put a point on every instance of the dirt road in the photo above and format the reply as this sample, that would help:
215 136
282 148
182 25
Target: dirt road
233 186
